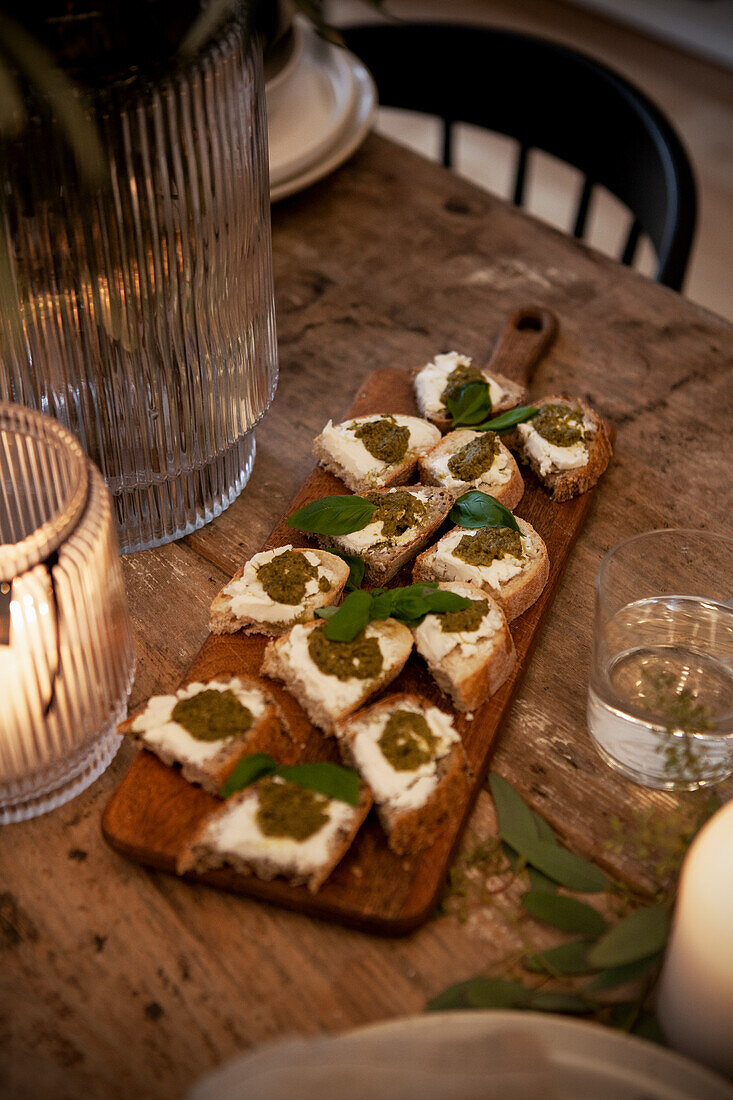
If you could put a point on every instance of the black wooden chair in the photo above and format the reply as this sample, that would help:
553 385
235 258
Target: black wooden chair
550 98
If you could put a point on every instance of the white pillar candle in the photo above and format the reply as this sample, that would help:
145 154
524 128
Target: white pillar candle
695 1007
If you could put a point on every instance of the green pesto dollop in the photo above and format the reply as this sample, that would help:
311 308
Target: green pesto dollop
324 584
212 715
475 457
463 373
284 577
407 741
465 621
489 544
385 439
397 512
560 425
288 810
357 660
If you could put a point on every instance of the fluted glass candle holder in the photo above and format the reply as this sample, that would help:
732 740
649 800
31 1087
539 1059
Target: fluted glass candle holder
145 307
66 649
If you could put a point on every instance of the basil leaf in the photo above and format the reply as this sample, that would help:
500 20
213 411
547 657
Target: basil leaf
559 1002
481 993
329 779
567 914
338 515
568 958
247 770
470 403
620 975
505 421
642 933
351 617
477 509
356 569
382 604
326 612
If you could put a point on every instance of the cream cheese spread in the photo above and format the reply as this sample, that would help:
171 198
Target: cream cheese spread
448 567
498 473
432 379
249 600
349 451
371 535
161 732
400 790
551 458
338 695
433 643
235 832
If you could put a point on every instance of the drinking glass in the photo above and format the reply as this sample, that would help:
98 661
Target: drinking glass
140 313
66 650
660 703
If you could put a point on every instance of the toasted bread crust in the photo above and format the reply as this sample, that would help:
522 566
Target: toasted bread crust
515 395
276 665
270 734
381 565
508 493
198 858
565 484
516 595
222 619
409 831
470 680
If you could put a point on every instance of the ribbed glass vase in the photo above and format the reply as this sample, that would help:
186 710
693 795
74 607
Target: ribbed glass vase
140 314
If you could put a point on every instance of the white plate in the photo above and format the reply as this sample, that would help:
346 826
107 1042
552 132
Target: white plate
308 111
347 140
466 1056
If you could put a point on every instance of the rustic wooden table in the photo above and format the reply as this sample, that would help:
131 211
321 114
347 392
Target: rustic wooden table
117 980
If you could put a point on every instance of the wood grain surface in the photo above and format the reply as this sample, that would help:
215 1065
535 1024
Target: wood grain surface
116 980
154 813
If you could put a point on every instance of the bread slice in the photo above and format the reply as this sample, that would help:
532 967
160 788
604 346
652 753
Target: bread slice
431 380
339 450
567 471
468 665
234 836
515 583
502 480
243 604
323 696
209 762
384 555
412 804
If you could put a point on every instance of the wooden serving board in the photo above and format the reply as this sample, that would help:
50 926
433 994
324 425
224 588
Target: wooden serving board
154 810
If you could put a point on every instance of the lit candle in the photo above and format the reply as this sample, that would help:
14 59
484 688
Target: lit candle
695 1005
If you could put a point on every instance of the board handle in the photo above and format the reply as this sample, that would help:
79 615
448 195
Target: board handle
527 336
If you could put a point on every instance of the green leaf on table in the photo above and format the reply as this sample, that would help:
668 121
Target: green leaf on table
559 1002
567 868
544 830
470 403
248 770
568 958
337 515
567 914
615 976
477 509
351 617
356 569
516 821
326 778
538 881
481 993
643 933
505 421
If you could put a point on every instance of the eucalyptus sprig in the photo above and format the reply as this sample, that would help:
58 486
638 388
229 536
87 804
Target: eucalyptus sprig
408 605
324 777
